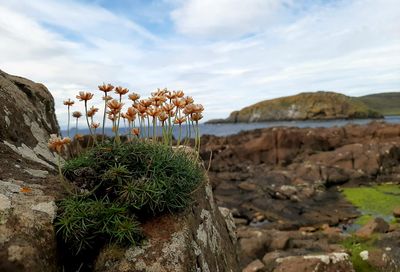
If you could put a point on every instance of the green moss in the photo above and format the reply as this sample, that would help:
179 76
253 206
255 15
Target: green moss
355 246
374 201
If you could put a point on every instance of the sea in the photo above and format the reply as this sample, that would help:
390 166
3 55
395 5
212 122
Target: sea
229 129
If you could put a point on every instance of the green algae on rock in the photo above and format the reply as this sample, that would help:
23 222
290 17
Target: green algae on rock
374 201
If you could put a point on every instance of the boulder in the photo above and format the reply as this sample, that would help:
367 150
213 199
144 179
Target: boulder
254 266
27 185
396 212
376 225
379 259
333 262
27 120
199 239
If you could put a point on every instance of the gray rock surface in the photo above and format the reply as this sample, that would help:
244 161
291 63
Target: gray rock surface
198 240
27 183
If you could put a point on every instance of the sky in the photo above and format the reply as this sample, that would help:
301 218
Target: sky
227 54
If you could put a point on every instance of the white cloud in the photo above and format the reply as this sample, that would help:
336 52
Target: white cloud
351 46
225 18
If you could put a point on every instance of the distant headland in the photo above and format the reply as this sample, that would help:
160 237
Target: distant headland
321 105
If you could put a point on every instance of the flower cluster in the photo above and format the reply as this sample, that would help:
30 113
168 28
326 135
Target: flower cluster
164 109
57 144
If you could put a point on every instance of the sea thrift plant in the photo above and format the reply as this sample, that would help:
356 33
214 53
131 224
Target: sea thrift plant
118 183
69 103
58 145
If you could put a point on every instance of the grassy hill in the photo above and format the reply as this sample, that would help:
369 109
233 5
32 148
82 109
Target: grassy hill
384 103
307 106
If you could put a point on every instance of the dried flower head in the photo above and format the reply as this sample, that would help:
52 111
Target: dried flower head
146 102
106 88
179 103
107 98
78 137
159 92
163 116
57 144
69 102
172 113
77 114
153 112
140 108
158 100
84 96
179 94
179 120
25 190
198 108
111 116
121 90
168 107
189 109
115 106
95 125
134 97
170 95
189 100
135 131
92 111
196 116
130 114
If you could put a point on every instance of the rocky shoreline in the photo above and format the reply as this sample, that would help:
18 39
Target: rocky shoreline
283 184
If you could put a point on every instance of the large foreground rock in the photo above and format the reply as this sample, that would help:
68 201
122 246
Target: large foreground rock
27 186
199 240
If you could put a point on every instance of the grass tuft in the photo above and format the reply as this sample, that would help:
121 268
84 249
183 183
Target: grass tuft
355 246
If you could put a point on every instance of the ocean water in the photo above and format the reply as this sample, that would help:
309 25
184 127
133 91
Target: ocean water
229 129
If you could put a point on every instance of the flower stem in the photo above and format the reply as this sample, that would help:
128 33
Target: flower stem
180 134
104 116
69 117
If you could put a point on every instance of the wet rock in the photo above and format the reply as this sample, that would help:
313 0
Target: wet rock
377 225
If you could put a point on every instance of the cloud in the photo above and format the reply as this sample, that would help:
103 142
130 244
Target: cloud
225 18
227 55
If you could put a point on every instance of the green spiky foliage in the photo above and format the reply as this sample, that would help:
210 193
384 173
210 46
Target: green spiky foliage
148 176
84 222
128 183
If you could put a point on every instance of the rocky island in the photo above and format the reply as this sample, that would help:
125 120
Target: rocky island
305 106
